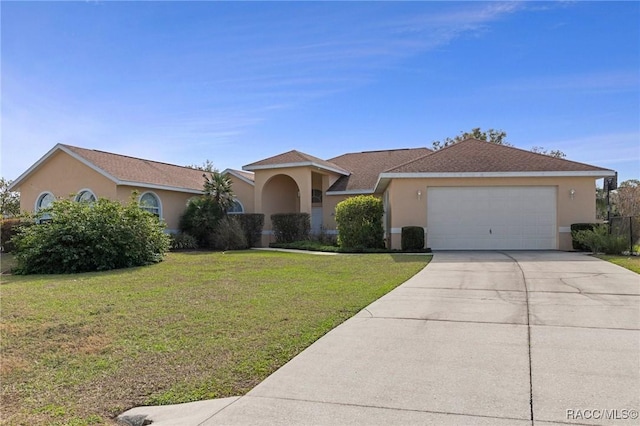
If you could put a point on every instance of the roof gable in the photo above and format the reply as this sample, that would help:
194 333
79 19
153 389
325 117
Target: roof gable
472 155
124 170
295 158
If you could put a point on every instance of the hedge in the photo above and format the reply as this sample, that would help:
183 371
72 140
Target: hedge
290 227
412 238
359 222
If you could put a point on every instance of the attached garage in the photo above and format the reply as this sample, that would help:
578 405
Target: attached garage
492 218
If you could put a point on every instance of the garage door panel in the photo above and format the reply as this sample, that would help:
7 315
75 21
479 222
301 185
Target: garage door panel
491 218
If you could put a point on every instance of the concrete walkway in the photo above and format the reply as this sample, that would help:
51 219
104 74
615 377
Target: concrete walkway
476 338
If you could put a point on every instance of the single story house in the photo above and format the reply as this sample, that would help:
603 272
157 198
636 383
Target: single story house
470 195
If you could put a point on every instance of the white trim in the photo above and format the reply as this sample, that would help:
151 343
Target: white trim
564 229
331 231
267 232
77 197
160 209
239 176
351 192
298 164
385 177
396 230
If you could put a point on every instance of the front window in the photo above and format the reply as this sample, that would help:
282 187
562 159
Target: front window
236 208
316 196
151 203
44 201
86 196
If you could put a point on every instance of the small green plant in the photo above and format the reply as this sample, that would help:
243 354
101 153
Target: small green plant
290 227
599 240
412 238
251 224
183 241
229 235
580 227
359 222
83 237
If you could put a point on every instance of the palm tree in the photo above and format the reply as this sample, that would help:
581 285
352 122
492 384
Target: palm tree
218 187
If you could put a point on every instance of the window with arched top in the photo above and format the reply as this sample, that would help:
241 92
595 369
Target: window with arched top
86 196
44 201
151 203
236 208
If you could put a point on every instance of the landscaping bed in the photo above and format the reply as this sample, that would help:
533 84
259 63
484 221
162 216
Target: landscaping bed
318 246
81 349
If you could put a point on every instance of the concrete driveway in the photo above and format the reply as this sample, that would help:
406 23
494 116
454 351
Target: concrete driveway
482 338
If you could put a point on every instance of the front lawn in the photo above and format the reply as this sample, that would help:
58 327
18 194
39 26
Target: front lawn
632 263
81 349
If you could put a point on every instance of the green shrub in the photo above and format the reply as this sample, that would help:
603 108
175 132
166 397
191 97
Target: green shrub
290 227
229 235
599 240
580 227
82 237
200 219
359 222
251 224
412 238
8 228
183 241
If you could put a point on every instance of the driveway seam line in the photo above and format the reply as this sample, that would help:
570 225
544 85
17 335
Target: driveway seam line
526 290
346 404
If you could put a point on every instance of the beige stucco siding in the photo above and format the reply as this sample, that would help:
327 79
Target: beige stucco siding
63 175
243 191
409 208
173 204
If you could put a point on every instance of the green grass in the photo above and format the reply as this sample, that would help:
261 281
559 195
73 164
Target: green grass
632 263
81 349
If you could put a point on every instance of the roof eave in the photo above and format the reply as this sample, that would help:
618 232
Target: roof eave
239 176
162 187
352 192
435 175
252 168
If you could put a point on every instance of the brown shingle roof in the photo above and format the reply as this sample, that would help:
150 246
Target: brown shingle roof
472 155
138 170
247 175
297 158
365 167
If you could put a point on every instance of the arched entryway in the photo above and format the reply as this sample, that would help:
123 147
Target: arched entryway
280 194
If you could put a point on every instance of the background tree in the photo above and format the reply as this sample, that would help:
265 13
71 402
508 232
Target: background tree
9 200
492 135
498 137
626 198
207 166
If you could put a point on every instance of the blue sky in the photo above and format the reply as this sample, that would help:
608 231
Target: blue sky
182 82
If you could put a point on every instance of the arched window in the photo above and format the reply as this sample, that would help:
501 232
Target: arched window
151 203
43 201
86 196
236 208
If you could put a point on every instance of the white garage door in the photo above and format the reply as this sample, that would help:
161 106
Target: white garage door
491 218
